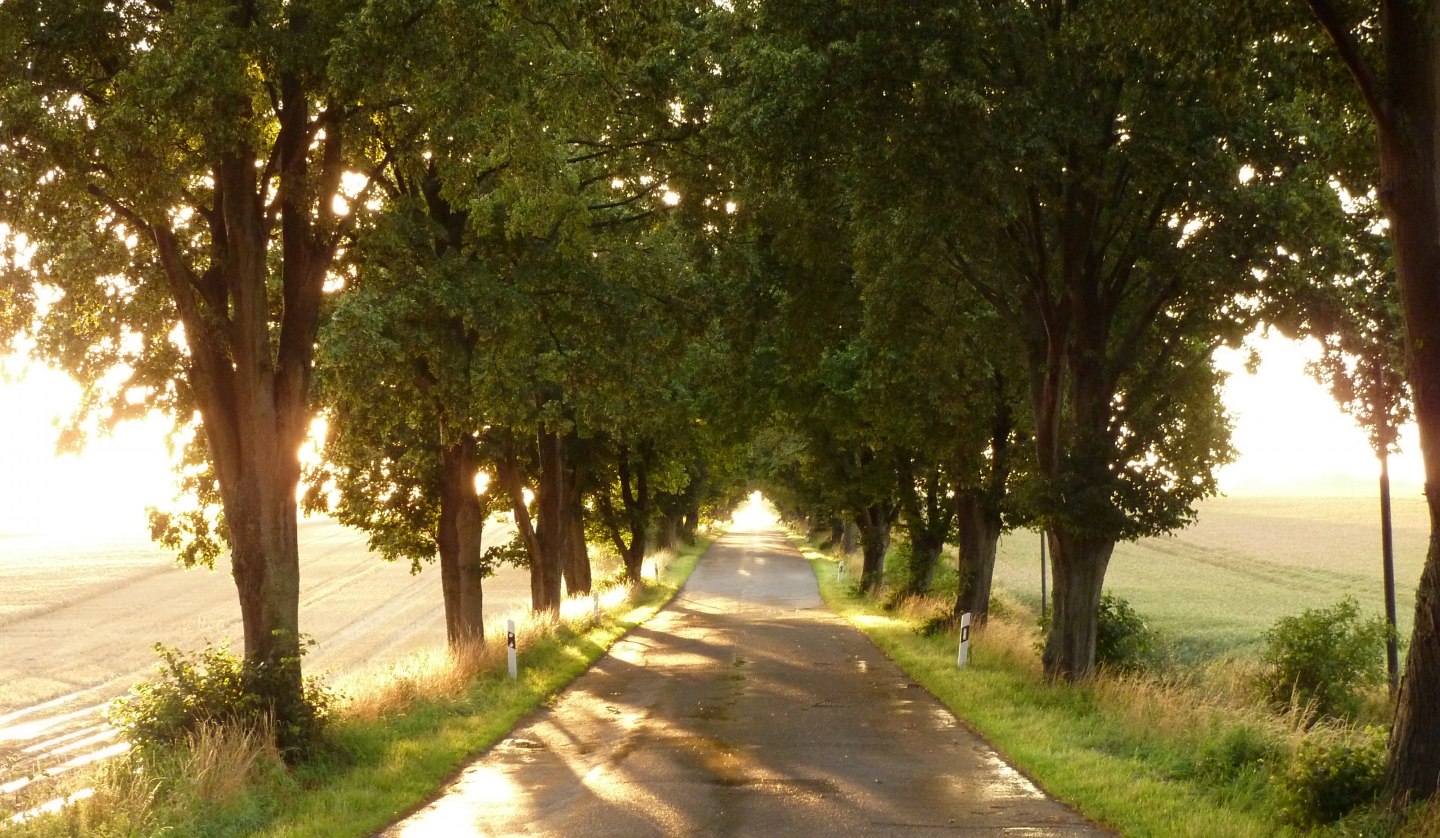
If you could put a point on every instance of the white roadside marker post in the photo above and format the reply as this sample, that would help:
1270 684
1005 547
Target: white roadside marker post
595 603
964 657
510 648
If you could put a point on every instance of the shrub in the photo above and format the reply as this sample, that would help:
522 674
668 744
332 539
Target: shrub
1323 658
1123 640
196 690
1328 779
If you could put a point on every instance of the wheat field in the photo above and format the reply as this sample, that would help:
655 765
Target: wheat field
1216 586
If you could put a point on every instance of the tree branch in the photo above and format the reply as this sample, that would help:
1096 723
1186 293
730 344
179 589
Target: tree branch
1370 86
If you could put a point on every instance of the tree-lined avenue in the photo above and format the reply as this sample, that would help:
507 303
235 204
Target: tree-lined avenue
744 708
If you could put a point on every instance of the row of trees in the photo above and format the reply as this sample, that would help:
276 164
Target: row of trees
954 266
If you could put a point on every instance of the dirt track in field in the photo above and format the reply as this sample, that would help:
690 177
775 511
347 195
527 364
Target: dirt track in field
77 627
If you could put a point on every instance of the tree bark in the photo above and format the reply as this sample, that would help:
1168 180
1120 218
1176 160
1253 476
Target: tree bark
1408 118
578 579
509 476
690 524
850 541
546 570
1080 565
633 518
924 556
458 537
668 537
977 534
873 523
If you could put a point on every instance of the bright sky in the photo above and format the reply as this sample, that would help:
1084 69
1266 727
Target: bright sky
1291 437
100 494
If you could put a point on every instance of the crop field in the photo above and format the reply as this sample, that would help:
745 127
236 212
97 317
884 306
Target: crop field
1217 586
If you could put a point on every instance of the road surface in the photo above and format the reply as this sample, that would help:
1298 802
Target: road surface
78 623
743 708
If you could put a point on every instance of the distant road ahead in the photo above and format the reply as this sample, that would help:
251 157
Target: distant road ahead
77 627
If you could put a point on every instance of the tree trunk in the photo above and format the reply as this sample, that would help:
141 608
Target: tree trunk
837 533
1403 95
1409 192
578 579
1080 566
873 523
546 570
508 474
924 556
458 536
978 533
265 563
690 524
634 480
668 537
850 541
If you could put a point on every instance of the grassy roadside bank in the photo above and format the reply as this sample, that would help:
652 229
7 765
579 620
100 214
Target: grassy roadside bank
1179 754
396 738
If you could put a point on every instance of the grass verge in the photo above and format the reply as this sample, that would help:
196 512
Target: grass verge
1188 753
396 739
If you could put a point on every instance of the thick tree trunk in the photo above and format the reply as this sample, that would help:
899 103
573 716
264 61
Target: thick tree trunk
458 537
265 563
1410 193
850 541
837 533
578 579
924 556
551 532
977 535
690 524
874 525
668 536
1403 95
1080 566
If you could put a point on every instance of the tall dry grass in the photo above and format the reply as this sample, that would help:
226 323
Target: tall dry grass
443 673
215 766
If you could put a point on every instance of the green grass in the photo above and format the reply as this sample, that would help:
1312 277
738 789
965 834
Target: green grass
1187 753
379 765
1057 735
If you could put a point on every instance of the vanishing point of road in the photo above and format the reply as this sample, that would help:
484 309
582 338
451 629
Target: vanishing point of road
743 708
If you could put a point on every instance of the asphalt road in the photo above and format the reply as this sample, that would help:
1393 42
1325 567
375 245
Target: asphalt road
78 623
743 708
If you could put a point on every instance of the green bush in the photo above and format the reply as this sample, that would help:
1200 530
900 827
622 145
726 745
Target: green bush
1328 779
214 686
1324 657
1123 640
